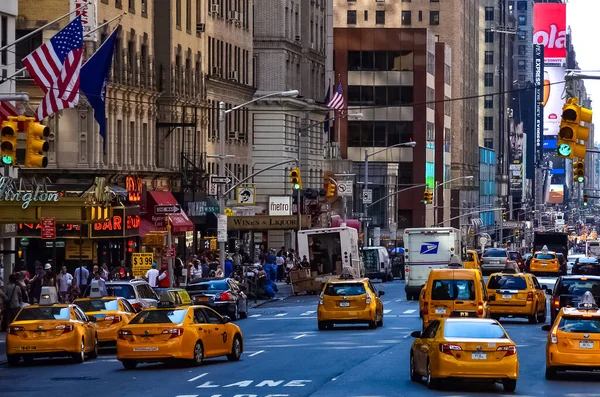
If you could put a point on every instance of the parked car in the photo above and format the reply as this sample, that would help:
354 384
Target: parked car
516 256
494 260
137 292
224 295
586 266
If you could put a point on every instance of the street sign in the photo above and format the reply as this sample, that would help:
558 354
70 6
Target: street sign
169 253
48 228
344 189
222 228
513 224
365 218
213 189
220 180
141 263
246 195
367 196
167 209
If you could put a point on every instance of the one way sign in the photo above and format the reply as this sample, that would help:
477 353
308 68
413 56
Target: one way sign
167 209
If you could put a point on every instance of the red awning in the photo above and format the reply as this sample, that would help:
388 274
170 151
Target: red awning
147 227
179 222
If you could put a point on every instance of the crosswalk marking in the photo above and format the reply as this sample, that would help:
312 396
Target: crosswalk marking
409 311
387 311
281 314
308 313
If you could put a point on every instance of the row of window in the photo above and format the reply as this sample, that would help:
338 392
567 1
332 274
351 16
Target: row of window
405 18
228 61
131 6
391 61
379 133
237 124
380 95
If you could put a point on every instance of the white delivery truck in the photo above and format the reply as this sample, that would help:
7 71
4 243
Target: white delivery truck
426 249
331 249
377 263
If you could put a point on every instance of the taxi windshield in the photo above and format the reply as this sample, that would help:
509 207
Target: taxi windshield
444 290
579 287
98 305
345 289
470 257
473 329
159 317
544 256
507 282
44 313
121 291
579 324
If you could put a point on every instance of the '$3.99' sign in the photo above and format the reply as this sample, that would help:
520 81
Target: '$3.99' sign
142 259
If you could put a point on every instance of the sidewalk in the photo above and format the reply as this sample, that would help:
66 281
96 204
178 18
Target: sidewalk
2 348
285 291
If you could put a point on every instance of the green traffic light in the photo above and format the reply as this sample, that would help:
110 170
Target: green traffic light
580 179
7 160
296 186
564 150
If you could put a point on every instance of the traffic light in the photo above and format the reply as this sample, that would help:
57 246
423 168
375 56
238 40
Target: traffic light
585 199
8 139
517 234
295 179
427 197
36 145
331 189
579 171
572 131
504 216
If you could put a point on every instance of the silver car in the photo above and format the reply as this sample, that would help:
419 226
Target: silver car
494 260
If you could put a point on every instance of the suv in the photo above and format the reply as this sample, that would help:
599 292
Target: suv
516 256
569 290
494 260
137 292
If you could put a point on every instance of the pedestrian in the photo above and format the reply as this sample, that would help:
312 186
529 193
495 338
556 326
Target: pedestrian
124 271
1 274
64 281
195 270
305 263
280 263
3 300
152 275
101 284
73 292
105 272
81 277
178 271
205 268
95 269
35 284
49 278
163 278
228 267
14 298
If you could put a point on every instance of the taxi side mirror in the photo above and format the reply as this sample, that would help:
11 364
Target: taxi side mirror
546 327
381 293
92 319
226 319
415 334
548 291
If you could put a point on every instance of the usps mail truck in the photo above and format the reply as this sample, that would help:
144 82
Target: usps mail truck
426 249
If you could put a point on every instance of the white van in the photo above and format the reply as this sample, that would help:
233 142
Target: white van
377 263
426 249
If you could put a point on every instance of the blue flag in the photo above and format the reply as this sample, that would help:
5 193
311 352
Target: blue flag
327 99
94 78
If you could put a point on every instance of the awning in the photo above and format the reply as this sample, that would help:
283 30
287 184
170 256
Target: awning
179 222
147 227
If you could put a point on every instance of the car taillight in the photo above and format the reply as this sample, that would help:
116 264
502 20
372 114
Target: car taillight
114 319
530 297
368 301
137 306
447 348
510 350
553 337
425 307
225 296
65 328
14 329
321 298
556 303
406 269
175 332
124 334
480 309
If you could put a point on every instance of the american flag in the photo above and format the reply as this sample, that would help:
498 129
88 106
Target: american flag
55 66
337 102
7 109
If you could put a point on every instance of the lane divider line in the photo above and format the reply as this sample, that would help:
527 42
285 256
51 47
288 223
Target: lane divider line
308 313
198 377
300 336
257 353
387 311
409 311
254 315
281 314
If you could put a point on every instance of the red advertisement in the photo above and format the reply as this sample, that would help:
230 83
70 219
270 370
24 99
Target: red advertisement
550 29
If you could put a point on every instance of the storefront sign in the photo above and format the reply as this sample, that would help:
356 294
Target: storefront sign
280 206
124 223
10 193
79 249
88 10
133 185
141 263
264 223
48 228
201 208
67 230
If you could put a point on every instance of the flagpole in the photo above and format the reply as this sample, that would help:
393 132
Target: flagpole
87 34
28 35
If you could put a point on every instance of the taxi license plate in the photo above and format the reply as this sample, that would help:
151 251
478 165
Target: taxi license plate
584 344
506 296
344 304
440 310
28 348
495 262
145 349
203 299
544 264
479 356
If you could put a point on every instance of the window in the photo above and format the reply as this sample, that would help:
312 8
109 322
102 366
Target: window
522 35
444 290
522 20
522 50
420 16
488 123
474 329
145 8
366 15
521 65
188 15
489 57
212 317
521 77
199 317
406 18
178 13
521 5
488 79
434 17
132 6
380 17
489 13
488 143
351 17
488 102
431 330
4 39
489 36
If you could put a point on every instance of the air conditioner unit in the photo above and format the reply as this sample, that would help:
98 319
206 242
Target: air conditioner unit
232 135
200 27
234 15
241 136
297 38
233 75
215 9
216 71
312 46
144 10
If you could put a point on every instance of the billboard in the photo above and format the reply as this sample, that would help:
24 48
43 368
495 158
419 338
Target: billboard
554 99
556 195
550 30
538 82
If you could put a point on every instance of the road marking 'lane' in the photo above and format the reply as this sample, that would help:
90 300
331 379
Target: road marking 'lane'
255 315
197 377
409 311
281 314
257 353
300 336
386 311
308 313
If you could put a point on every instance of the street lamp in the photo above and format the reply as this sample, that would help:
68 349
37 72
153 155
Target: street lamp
366 186
435 197
222 156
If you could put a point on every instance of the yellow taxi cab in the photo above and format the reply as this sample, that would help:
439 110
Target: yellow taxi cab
574 339
454 292
472 260
422 301
179 295
464 348
191 333
111 313
544 262
349 300
516 295
51 329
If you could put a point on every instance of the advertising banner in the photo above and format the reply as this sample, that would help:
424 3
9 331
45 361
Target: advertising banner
557 194
554 99
88 9
538 76
550 30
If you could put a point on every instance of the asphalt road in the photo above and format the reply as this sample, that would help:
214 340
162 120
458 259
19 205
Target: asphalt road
285 355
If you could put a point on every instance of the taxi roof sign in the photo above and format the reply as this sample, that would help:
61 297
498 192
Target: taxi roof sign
95 290
166 300
49 296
